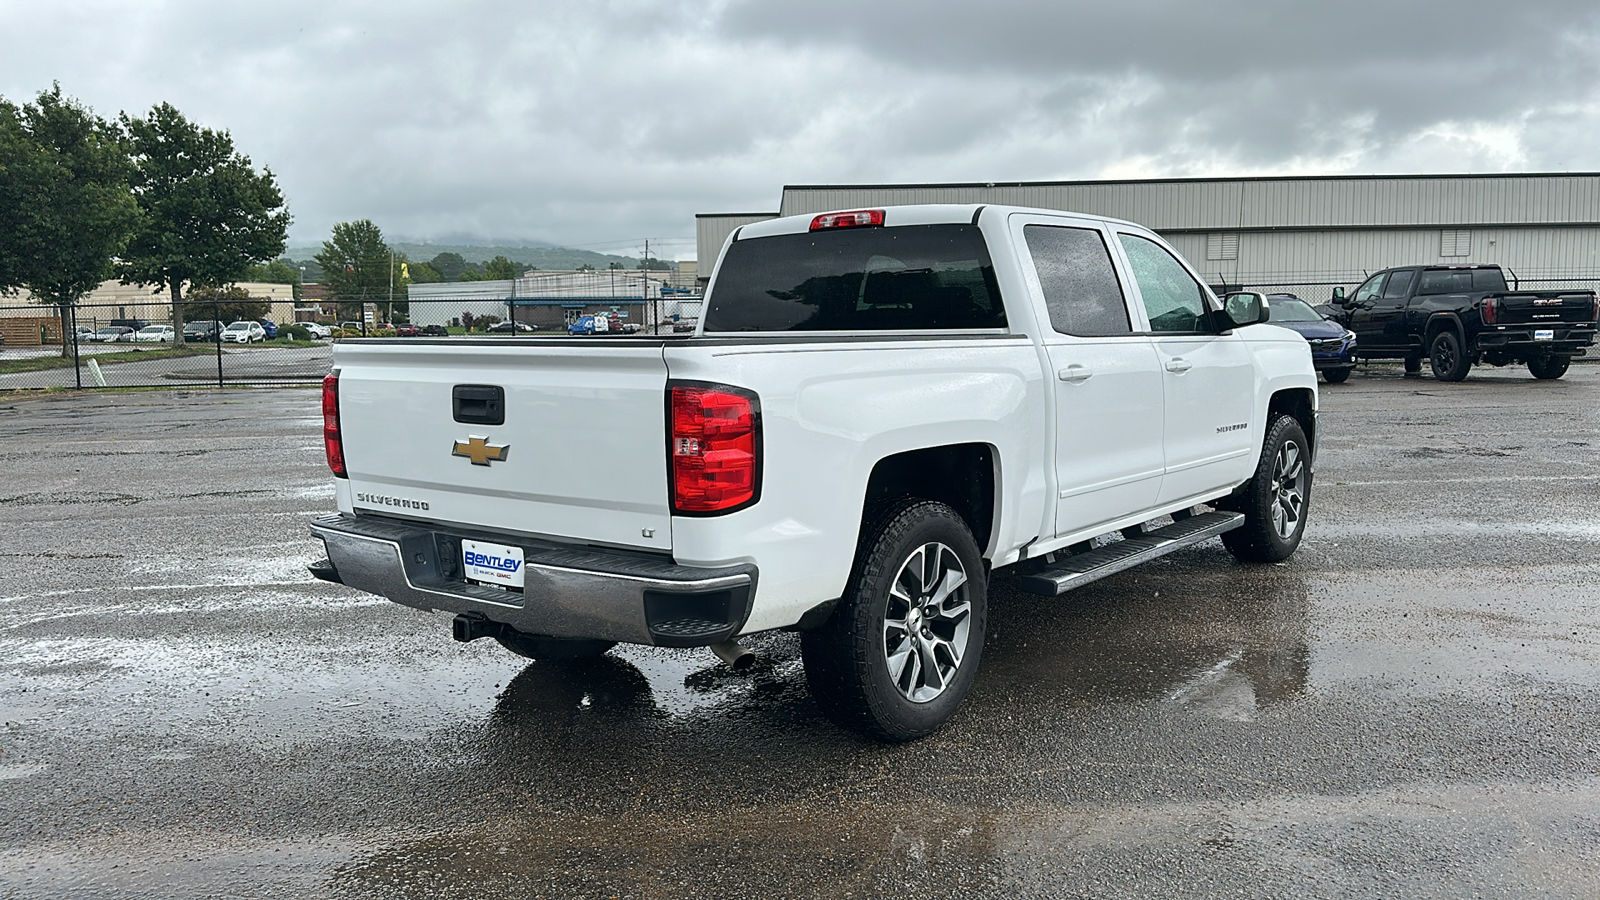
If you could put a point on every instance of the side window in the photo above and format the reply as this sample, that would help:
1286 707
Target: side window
1173 300
1371 290
1399 284
1080 285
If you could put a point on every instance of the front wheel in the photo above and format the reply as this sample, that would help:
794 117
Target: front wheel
1276 498
1448 360
1336 376
1549 367
901 650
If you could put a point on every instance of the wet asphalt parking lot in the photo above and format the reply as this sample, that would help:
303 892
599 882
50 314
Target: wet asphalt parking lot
1408 707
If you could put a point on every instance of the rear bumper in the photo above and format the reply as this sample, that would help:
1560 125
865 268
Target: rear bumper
569 593
1565 339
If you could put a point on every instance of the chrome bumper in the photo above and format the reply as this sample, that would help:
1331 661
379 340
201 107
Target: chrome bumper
568 593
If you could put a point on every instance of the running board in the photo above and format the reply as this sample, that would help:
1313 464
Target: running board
1081 568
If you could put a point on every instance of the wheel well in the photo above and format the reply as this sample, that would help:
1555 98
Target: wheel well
1296 403
960 476
1437 324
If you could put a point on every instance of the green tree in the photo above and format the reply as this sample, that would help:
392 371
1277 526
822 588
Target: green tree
279 271
450 265
615 265
500 269
358 267
67 208
229 304
208 214
425 273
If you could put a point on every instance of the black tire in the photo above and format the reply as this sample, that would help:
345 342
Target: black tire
551 649
1445 355
851 661
1336 376
1413 365
1276 498
1550 367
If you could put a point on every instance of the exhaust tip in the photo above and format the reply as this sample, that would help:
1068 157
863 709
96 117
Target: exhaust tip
736 655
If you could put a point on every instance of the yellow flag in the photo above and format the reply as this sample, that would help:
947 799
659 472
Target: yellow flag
405 271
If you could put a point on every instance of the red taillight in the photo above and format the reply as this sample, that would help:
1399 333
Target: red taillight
1491 309
853 219
713 443
332 442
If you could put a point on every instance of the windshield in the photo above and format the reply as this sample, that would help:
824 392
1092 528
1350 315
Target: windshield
1288 308
858 279
238 326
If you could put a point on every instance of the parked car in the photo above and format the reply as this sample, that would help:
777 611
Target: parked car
435 331
352 329
318 331
154 334
859 491
589 325
509 327
1333 346
130 324
406 329
270 327
207 330
1460 316
112 334
84 333
244 333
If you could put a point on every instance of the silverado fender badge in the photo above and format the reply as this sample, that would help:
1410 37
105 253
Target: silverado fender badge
480 451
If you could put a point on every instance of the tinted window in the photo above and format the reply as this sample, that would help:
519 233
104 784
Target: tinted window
858 279
1446 281
1399 286
1173 300
1488 280
1080 286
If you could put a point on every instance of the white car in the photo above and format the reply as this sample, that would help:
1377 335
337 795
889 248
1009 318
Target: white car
320 332
154 334
244 333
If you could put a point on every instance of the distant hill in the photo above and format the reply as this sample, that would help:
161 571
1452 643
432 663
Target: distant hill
542 257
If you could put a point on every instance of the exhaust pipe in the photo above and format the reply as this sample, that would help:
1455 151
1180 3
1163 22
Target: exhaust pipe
736 655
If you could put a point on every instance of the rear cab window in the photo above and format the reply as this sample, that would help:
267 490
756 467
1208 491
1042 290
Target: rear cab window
898 278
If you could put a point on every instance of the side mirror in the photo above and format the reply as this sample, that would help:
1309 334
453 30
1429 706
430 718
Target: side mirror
1244 308
1338 298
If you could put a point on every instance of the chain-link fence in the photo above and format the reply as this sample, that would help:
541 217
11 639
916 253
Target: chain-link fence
122 345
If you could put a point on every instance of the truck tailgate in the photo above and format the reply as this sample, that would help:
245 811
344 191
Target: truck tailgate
584 436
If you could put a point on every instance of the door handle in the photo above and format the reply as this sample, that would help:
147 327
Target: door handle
1179 365
1074 373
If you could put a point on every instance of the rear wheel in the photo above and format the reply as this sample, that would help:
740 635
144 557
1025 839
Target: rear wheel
1336 376
1549 367
1413 365
1448 360
1276 499
552 649
901 650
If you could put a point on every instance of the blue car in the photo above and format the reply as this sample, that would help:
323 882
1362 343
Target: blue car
1333 347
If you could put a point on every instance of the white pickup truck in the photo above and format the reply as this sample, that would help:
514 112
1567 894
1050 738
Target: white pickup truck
879 411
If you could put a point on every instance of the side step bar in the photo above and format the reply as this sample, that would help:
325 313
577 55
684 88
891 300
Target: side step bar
1093 565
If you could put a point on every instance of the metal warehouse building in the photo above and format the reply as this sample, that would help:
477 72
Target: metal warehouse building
1304 234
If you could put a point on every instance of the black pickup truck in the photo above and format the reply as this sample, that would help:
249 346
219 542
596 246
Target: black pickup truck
1457 316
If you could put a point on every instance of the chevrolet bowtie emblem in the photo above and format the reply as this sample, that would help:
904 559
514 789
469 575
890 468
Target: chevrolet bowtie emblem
480 451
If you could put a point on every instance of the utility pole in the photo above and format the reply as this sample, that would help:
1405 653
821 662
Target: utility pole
391 286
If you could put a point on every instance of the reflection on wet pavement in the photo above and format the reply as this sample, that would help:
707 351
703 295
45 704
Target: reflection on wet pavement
1407 707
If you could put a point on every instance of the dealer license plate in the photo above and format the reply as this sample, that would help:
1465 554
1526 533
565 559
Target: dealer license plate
1544 334
492 564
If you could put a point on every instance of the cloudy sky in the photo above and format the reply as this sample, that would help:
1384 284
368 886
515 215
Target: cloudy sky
599 123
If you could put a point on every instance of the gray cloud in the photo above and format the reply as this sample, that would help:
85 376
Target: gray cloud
604 123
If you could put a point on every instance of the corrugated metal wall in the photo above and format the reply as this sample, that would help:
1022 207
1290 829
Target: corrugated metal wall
712 229
1307 231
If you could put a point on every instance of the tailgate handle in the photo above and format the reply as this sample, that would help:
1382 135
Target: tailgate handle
478 404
